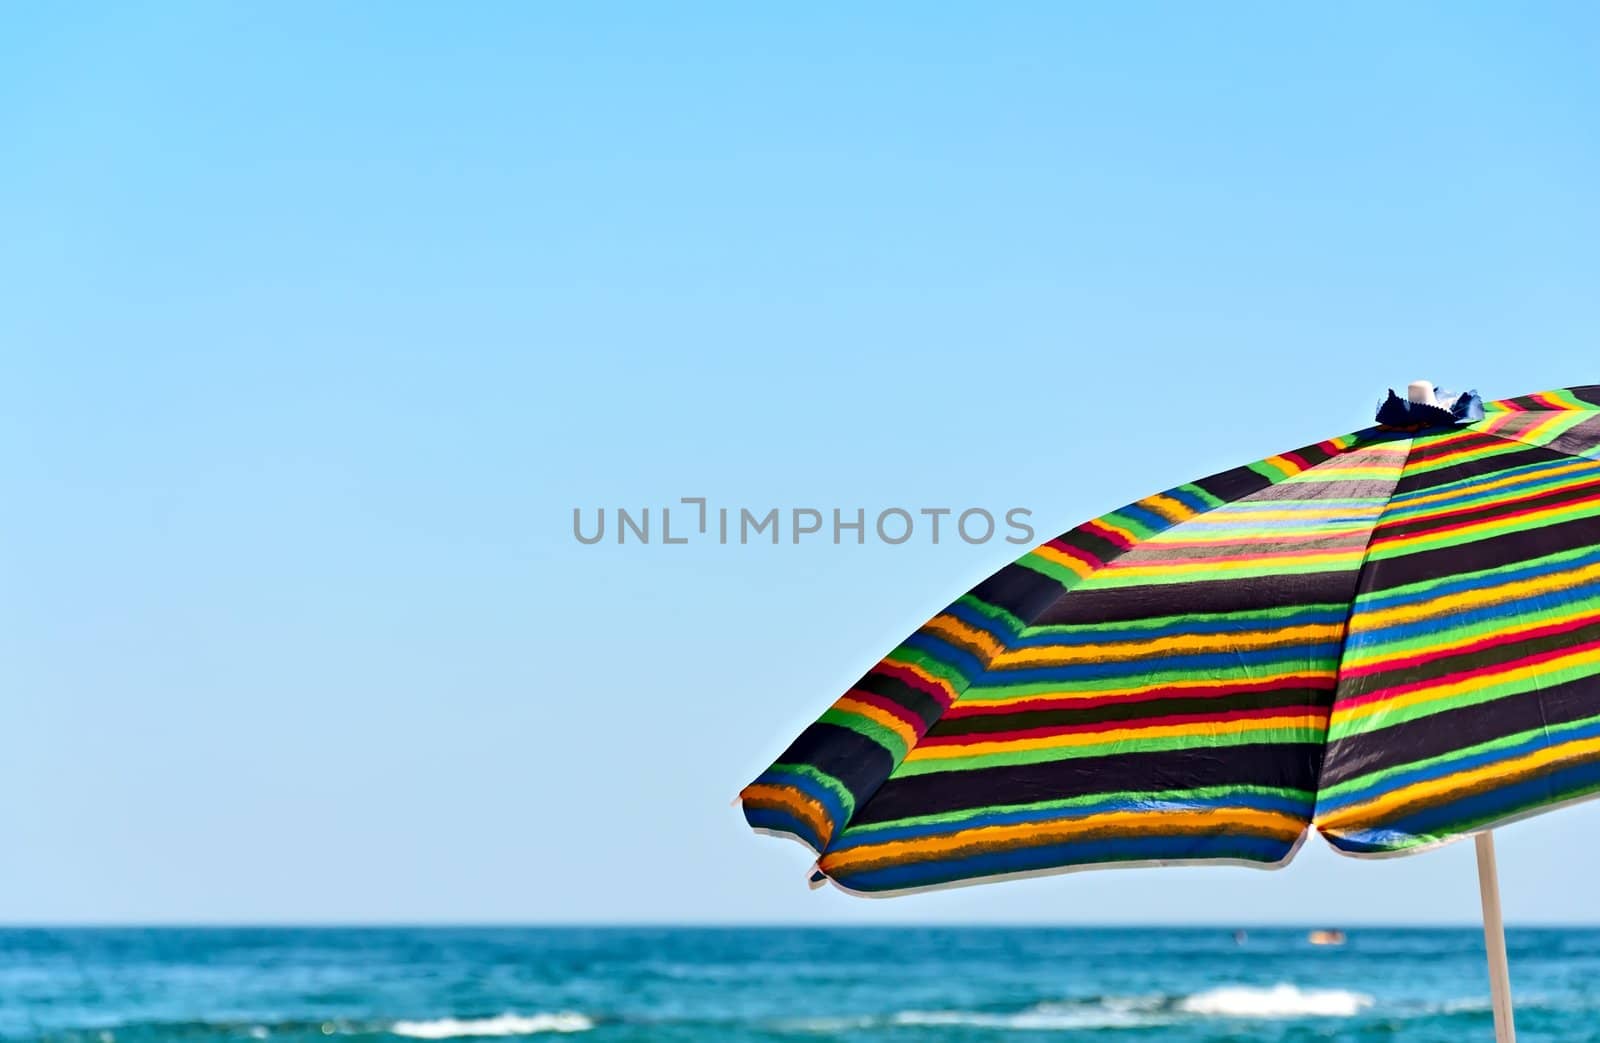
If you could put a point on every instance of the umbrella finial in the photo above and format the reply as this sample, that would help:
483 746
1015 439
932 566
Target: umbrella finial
1422 393
1427 406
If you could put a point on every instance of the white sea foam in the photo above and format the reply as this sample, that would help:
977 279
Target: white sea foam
1279 1001
1115 1012
500 1025
1043 1018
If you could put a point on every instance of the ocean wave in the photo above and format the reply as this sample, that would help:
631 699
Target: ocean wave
1283 1002
1046 1017
499 1025
1279 1001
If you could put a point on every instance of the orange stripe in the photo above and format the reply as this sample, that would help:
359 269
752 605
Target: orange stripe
1058 742
1176 688
1211 821
786 798
878 715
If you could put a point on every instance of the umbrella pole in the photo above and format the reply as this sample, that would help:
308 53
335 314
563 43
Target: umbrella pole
1494 939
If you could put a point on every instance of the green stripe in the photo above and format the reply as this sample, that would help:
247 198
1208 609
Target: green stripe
866 726
1067 804
822 778
1204 740
1488 692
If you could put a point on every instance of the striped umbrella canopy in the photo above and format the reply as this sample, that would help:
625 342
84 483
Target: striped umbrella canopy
1392 637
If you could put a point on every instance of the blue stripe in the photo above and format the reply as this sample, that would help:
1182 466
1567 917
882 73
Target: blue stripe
1191 499
1447 819
1536 741
957 658
1475 581
781 822
1447 622
1056 856
1222 664
830 801
1093 634
1144 517
1296 525
1253 801
1462 491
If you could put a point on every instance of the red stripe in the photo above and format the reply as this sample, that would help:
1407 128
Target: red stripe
1176 691
1486 672
890 707
901 673
1075 552
1265 555
1451 444
1480 645
1484 505
1509 516
1109 726
1099 529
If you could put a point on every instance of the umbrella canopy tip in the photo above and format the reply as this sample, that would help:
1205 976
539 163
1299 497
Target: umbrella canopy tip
1425 405
1422 393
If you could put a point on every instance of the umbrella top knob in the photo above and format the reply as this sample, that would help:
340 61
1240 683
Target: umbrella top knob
1427 406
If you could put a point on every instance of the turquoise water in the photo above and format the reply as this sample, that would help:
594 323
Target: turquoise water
721 986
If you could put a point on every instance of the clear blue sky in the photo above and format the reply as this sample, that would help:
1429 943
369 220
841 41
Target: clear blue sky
317 323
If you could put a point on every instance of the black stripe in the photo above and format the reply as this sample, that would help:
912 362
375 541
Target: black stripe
1018 590
1199 598
1487 657
847 755
1090 543
1411 482
1261 764
1496 552
1133 711
1459 728
1233 485
909 696
1581 487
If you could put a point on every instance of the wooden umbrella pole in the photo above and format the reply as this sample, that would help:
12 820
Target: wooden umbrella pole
1494 939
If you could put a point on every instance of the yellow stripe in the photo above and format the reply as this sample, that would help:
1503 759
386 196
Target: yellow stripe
1284 464
878 716
1067 561
974 695
958 632
1117 571
1435 693
1482 529
1377 656
1124 651
1211 821
1371 813
1342 474
1485 487
1241 514
1055 742
1467 455
1362 621
1168 508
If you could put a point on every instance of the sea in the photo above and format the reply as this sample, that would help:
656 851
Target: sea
739 985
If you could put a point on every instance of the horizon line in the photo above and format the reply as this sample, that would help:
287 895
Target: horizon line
758 925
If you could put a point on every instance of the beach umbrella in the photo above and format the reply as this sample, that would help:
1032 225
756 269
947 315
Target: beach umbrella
1391 637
